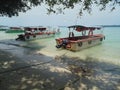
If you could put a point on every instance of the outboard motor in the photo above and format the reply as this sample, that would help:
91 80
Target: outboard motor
63 44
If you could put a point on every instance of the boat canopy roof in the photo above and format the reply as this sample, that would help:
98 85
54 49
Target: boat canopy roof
80 28
74 26
37 28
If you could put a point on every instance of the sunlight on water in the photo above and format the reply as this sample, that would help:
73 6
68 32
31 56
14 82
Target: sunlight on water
108 51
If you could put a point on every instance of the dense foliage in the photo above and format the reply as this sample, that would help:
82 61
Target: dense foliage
13 7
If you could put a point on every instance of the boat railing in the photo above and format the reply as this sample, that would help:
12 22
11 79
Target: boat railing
77 38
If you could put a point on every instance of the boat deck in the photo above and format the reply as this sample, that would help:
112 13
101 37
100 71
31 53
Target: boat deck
83 38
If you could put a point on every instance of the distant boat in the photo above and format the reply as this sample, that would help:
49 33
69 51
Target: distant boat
4 28
15 30
85 40
32 33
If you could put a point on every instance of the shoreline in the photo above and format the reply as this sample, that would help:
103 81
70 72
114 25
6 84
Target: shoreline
54 74
81 56
22 68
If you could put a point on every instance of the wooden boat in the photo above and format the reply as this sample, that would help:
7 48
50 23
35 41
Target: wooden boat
85 40
32 33
15 30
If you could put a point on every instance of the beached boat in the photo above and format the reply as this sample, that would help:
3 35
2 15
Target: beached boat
85 40
32 33
15 30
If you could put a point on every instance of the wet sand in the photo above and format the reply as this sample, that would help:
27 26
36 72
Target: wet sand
24 69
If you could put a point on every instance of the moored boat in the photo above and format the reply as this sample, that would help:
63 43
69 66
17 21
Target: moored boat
32 33
15 30
85 40
4 28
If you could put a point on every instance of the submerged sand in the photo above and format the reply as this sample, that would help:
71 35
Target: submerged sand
24 69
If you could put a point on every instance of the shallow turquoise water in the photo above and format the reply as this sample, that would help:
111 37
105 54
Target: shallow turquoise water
108 51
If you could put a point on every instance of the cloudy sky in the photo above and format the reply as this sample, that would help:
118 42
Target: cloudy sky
38 16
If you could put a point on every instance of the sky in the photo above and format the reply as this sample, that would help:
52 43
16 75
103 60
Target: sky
38 16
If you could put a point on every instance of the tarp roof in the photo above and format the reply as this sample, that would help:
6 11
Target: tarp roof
75 26
80 28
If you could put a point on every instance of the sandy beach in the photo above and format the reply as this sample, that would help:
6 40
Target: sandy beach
39 74
24 69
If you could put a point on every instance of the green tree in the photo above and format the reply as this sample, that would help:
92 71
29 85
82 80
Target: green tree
13 7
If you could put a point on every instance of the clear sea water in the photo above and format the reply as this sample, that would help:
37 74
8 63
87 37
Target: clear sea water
108 51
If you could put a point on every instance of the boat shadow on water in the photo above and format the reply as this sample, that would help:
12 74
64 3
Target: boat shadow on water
23 44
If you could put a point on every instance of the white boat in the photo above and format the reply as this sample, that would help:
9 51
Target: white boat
32 33
85 40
